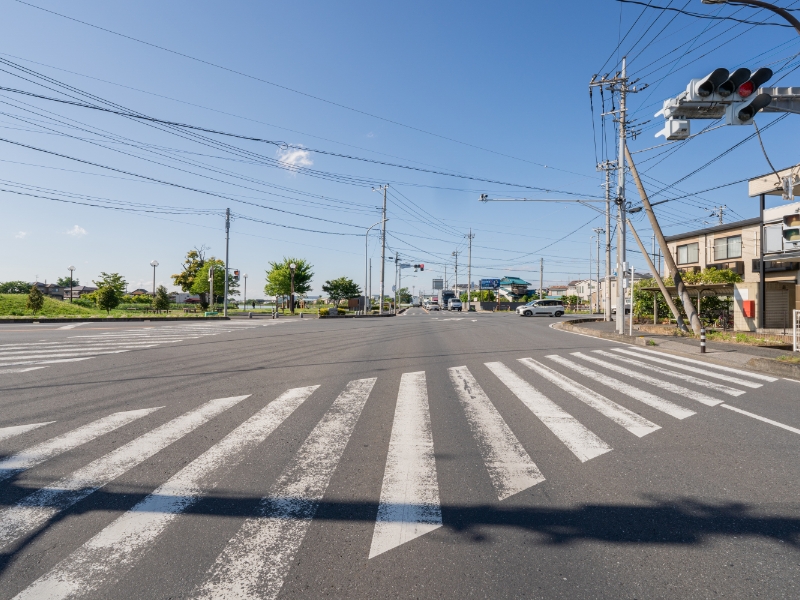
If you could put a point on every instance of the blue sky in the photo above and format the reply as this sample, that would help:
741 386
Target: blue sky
485 90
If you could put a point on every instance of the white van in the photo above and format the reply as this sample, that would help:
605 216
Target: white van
454 304
550 308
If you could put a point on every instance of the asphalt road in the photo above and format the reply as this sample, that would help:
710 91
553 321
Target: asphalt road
408 457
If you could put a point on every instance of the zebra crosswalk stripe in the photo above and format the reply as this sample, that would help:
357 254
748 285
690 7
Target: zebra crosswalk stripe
106 557
409 504
510 467
643 396
660 383
583 443
15 430
70 440
711 366
255 561
636 424
705 372
32 511
680 376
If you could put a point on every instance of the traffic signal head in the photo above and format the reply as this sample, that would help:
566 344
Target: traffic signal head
759 78
742 113
421 267
733 83
709 84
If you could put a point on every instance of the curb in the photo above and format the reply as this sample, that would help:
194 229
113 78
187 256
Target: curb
107 319
769 366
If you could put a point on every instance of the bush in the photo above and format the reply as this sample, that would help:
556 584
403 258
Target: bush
107 298
35 300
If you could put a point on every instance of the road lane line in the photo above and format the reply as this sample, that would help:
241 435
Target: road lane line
409 505
710 365
760 418
106 557
583 443
45 362
652 400
15 430
30 457
510 467
683 377
255 561
636 424
660 383
34 510
704 372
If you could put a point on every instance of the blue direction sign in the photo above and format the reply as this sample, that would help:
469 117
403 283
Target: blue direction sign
490 284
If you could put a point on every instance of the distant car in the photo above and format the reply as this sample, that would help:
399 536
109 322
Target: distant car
627 309
433 306
550 308
454 304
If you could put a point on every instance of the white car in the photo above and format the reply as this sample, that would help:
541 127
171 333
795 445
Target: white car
550 308
454 304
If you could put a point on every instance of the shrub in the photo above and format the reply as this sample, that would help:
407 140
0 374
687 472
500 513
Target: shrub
107 298
35 300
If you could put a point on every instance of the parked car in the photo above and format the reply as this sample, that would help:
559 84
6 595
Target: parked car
627 309
454 304
550 308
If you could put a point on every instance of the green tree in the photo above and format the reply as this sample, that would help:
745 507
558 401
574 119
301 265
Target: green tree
340 289
479 296
15 287
643 301
162 298
107 298
279 277
113 280
572 301
35 300
201 281
64 281
194 261
403 296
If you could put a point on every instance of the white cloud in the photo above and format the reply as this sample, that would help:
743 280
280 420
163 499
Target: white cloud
294 158
21 235
372 135
76 231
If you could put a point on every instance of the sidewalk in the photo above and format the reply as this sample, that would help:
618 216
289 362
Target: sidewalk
726 354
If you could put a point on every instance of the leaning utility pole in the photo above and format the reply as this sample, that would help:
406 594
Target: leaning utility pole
669 261
227 241
469 273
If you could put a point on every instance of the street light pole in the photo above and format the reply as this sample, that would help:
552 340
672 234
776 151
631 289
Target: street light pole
776 9
244 302
292 267
154 264
71 269
366 264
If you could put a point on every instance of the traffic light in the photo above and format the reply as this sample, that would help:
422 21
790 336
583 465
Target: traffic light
236 274
420 266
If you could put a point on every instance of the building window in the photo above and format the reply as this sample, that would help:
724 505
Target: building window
729 247
688 253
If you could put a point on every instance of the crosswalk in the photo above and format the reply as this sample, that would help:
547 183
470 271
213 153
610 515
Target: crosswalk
256 560
29 356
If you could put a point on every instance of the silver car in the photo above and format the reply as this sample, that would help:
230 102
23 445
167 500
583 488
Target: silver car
549 308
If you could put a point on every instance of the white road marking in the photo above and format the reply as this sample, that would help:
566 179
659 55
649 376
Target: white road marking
636 424
30 457
683 377
409 504
61 353
705 372
710 365
45 362
21 370
34 510
660 383
652 400
583 443
760 418
256 560
105 558
510 467
15 430
71 325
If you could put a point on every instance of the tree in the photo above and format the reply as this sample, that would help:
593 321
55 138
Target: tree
162 298
279 277
15 287
201 283
35 300
194 261
64 281
107 298
643 301
479 296
113 280
572 300
340 289
403 296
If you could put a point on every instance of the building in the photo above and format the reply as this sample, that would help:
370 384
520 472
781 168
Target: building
636 277
78 291
583 288
512 289
140 292
558 291
51 290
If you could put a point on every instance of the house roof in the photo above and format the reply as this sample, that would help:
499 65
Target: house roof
575 282
513 281
558 287
716 229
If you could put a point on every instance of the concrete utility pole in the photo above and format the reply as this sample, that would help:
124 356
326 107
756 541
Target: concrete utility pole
623 150
367 266
541 278
469 272
667 297
227 243
607 166
455 285
669 261
598 231
383 246
396 279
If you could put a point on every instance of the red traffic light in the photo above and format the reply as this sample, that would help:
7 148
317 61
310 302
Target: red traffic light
760 77
236 273
421 267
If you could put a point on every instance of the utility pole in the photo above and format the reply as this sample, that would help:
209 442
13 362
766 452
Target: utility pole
541 278
383 244
396 279
469 272
598 231
621 255
227 243
719 213
607 166
455 286
370 281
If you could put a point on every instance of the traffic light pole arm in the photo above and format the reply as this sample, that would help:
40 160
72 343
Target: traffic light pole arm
776 9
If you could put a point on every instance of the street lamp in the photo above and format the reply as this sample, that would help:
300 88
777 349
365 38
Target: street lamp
154 264
71 269
776 9
292 267
244 303
366 266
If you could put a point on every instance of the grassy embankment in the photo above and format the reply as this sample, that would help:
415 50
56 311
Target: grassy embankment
13 305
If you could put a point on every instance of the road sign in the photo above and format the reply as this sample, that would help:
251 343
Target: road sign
490 284
438 284
394 288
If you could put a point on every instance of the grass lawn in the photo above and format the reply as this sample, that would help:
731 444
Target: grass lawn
13 305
